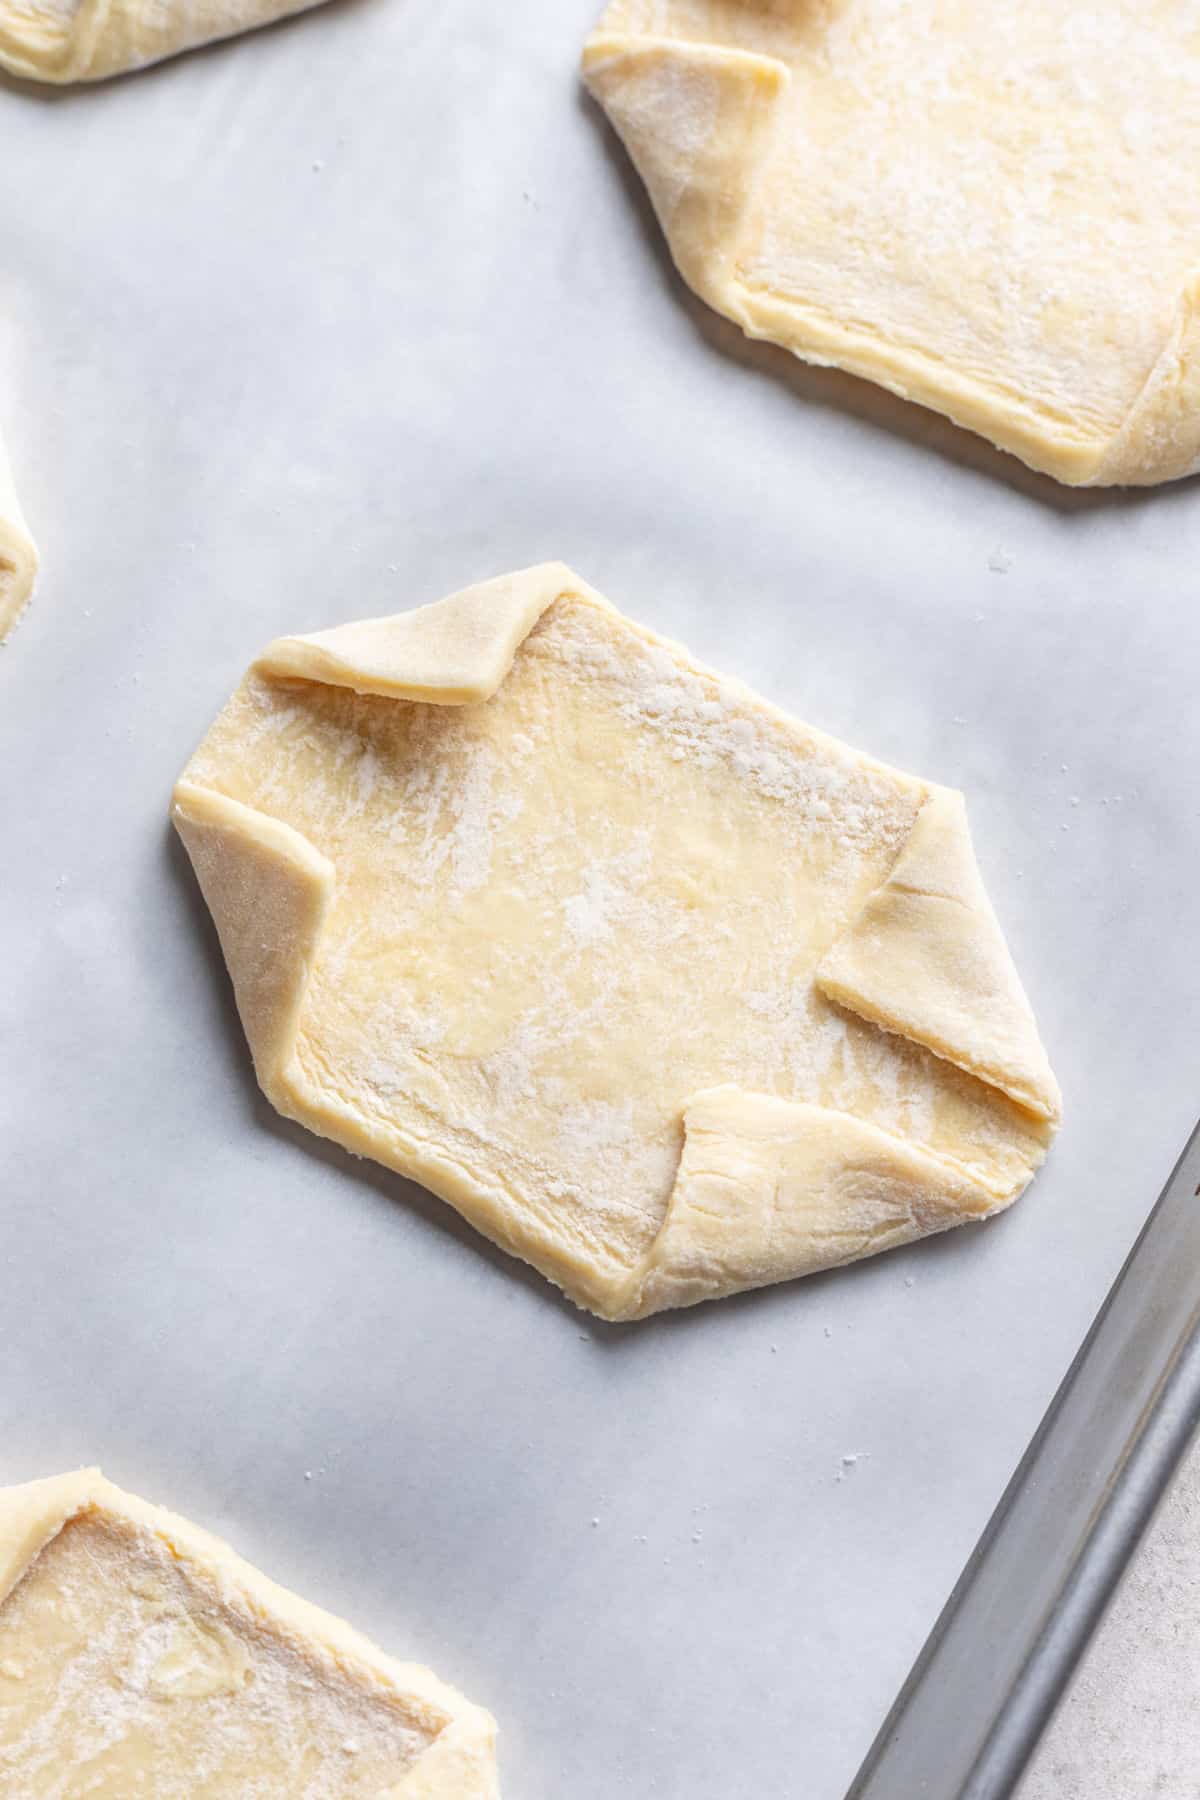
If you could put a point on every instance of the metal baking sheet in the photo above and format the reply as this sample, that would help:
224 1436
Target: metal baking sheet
1005 1645
330 321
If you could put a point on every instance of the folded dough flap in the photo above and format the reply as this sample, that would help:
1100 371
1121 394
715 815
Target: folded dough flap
452 653
459 1763
36 41
33 1513
926 958
267 889
696 120
18 557
61 42
1160 439
769 1189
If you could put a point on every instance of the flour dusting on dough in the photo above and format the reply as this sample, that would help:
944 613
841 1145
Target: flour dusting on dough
149 1678
561 913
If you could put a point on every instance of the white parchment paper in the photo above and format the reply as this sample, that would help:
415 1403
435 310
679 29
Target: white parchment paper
330 321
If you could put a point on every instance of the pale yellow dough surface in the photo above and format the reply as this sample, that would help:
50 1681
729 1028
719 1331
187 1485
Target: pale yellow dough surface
88 40
18 558
140 1655
992 210
508 886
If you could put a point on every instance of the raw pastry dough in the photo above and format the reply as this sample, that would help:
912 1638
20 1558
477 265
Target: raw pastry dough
139 1654
18 558
667 993
992 210
88 40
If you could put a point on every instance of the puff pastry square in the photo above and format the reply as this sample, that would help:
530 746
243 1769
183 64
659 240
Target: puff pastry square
666 992
992 210
18 558
63 41
140 1655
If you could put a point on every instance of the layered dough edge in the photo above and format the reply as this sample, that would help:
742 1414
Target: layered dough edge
61 43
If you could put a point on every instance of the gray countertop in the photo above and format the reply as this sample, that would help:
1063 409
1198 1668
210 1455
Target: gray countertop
1129 1727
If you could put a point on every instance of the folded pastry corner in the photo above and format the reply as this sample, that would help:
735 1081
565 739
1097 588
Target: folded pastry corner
769 1190
1159 439
268 891
18 556
453 652
63 41
179 1656
926 958
696 120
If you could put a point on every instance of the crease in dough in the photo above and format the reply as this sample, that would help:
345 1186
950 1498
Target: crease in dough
521 901
992 212
18 556
64 41
138 1653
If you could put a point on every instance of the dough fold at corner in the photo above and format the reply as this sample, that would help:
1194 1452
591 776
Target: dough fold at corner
666 992
18 557
769 1190
180 1656
64 41
926 957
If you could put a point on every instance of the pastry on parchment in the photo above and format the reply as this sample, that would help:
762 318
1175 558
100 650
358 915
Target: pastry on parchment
992 210
138 1654
88 40
18 558
666 992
